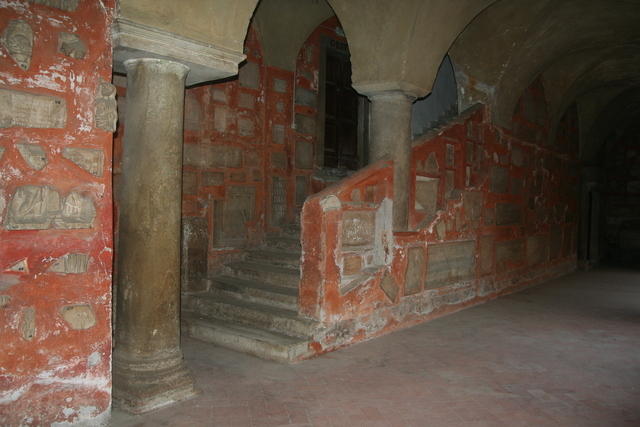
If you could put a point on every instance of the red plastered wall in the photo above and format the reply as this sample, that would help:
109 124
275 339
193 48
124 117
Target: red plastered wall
51 370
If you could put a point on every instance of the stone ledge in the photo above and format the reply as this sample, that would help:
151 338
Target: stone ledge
206 62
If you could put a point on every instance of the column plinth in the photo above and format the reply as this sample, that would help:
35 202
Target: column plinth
148 368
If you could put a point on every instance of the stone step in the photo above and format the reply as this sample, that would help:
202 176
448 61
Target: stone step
275 256
255 341
289 243
256 292
246 313
264 272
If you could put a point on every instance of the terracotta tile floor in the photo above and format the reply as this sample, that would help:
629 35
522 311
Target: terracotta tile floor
566 353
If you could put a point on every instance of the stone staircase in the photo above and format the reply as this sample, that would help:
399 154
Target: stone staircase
252 306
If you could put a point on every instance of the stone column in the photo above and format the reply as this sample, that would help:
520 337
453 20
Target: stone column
391 138
148 370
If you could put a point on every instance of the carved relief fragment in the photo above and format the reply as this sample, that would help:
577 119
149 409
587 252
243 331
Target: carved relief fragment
88 159
34 155
68 5
71 45
70 264
78 316
28 323
25 109
18 41
106 107
40 207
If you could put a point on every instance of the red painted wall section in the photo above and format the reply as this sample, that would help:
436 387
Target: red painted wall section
55 281
491 213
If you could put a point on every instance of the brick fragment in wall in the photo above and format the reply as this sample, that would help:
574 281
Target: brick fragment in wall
89 159
249 75
508 214
279 160
280 85
277 134
212 156
414 273
23 109
17 40
305 124
352 264
304 155
537 249
389 286
449 262
427 195
71 45
27 325
499 180
246 100
71 263
78 316
509 252
306 97
33 154
212 178
358 228
40 207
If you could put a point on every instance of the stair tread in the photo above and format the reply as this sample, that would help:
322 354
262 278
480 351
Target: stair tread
268 287
264 266
246 331
282 312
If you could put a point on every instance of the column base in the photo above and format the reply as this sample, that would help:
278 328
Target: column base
143 386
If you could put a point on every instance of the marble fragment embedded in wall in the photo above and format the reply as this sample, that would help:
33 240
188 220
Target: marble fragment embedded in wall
68 5
17 39
358 228
389 287
88 159
23 109
78 316
1 152
70 264
34 155
19 267
71 45
27 324
77 212
106 116
4 300
32 208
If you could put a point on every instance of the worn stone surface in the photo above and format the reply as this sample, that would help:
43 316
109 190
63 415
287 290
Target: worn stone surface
212 156
279 160
71 263
78 316
499 180
28 110
358 228
305 124
27 324
537 249
106 114
89 159
277 134
33 154
249 75
68 5
18 41
304 155
414 274
389 286
306 97
509 252
71 45
427 195
508 214
352 264
449 262
278 200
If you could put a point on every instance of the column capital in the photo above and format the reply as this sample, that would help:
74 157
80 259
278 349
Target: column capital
158 65
389 90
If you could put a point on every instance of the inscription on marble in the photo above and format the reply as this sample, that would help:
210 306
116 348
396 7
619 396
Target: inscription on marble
358 228
78 316
33 155
450 262
426 195
89 159
18 41
23 109
71 45
352 265
70 264
278 200
106 116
